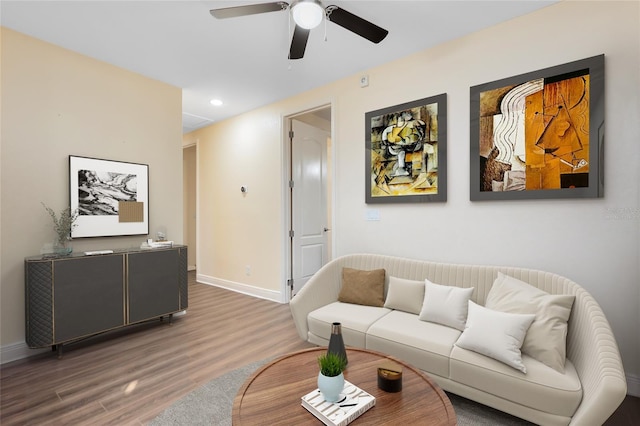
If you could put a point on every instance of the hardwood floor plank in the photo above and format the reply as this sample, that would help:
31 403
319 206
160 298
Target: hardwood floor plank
129 376
147 404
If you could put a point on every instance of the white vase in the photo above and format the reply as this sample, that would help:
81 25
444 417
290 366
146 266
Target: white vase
330 387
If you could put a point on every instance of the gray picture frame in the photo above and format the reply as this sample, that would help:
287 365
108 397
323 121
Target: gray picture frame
562 159
406 152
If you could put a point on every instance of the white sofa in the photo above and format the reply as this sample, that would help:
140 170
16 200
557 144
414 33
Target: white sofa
591 388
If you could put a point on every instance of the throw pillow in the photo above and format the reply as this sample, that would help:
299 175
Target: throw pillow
498 335
546 339
446 305
405 295
362 287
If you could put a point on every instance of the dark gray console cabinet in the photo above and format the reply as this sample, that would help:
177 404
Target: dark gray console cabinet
72 297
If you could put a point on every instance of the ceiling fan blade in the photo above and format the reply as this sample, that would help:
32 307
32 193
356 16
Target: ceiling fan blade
249 9
298 43
356 24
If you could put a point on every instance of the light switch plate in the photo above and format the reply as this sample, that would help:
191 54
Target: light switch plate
373 214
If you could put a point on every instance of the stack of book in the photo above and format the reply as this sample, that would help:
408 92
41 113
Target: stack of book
353 402
160 244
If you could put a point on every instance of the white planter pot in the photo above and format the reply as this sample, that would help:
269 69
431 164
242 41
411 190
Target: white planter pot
330 387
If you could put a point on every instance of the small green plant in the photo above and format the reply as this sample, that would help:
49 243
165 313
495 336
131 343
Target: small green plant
331 364
63 224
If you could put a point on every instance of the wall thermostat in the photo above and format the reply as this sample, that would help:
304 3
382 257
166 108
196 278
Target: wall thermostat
244 189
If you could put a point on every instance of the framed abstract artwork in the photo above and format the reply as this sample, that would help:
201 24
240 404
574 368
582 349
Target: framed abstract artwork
405 152
111 197
539 135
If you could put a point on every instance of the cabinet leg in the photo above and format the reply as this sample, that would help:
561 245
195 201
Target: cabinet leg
60 351
170 319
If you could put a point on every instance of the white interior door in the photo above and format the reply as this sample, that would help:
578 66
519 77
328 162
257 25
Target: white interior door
309 201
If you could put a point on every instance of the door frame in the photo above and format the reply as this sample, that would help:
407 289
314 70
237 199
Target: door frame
193 248
287 264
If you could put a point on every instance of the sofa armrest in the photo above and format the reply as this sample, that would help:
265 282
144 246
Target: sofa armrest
321 289
592 348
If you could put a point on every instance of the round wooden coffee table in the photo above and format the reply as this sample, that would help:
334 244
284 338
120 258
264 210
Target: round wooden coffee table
271 396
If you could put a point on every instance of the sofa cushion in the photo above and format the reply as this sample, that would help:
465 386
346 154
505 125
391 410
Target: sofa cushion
425 345
498 335
446 305
542 388
362 287
405 295
546 339
355 321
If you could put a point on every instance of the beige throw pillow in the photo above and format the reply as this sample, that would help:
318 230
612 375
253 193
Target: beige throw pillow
362 287
546 339
405 295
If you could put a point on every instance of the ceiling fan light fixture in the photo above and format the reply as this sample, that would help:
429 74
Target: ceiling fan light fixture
307 13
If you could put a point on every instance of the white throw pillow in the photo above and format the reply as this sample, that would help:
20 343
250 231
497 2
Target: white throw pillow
445 305
546 339
498 335
405 295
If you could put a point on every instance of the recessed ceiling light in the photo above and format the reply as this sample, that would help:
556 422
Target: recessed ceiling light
216 102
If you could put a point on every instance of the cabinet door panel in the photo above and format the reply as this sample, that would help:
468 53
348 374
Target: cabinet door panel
39 303
153 284
88 296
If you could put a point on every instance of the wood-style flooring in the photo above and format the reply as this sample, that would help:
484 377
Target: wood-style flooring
130 376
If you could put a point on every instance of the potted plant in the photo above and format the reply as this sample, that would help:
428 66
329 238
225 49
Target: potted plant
62 225
331 377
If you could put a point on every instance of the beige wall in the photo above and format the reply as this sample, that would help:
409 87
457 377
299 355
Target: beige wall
189 169
241 230
591 241
56 103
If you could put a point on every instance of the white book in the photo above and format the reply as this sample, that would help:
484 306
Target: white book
161 244
352 404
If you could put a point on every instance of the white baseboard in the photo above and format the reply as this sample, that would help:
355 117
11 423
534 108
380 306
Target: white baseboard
250 290
19 350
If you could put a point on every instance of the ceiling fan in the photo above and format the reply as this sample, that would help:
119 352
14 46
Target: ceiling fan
307 14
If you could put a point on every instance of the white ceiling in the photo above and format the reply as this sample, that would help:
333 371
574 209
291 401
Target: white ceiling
243 60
